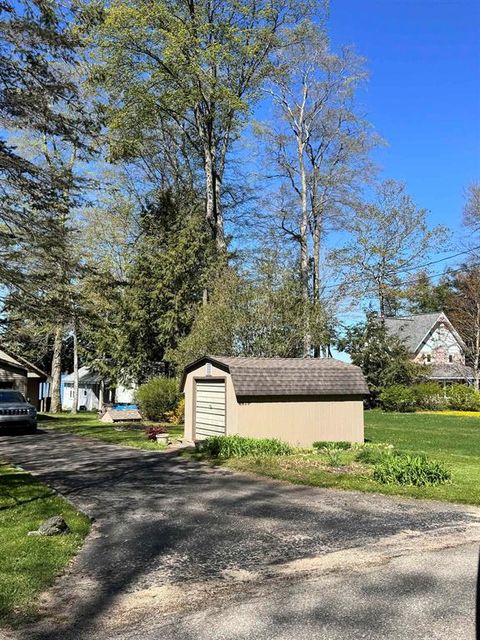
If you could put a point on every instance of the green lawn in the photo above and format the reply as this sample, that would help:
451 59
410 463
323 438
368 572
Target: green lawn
29 564
86 424
454 440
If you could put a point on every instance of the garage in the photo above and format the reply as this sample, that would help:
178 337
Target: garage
209 408
298 400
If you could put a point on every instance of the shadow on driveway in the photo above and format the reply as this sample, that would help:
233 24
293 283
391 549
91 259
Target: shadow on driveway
161 521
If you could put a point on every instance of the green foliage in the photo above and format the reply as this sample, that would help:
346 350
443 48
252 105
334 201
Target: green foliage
416 470
330 444
165 283
157 397
177 415
374 453
334 457
398 398
422 296
429 396
463 398
383 358
239 446
251 316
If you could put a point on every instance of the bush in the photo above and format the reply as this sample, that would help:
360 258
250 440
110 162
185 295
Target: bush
398 398
330 444
177 416
430 395
153 432
157 397
238 447
463 398
371 453
418 471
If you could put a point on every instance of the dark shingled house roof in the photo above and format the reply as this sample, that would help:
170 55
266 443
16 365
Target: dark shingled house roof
288 376
414 329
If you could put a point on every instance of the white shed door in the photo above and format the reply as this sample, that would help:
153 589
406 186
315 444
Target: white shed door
210 409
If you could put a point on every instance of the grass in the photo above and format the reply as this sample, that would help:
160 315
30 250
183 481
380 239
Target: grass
86 424
454 440
29 564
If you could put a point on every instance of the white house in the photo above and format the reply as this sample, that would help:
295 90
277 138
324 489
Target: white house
433 340
93 391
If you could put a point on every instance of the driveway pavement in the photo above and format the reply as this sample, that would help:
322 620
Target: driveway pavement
179 550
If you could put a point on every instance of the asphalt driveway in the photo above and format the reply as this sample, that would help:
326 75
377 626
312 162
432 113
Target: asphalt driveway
173 538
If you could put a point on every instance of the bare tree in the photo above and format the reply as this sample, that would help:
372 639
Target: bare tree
390 238
319 145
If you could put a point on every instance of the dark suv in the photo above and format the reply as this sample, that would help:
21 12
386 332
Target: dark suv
16 414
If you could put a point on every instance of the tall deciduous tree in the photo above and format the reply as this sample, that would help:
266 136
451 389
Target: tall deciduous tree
390 237
319 144
188 70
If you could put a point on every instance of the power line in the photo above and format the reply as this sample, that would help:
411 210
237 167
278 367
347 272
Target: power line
416 267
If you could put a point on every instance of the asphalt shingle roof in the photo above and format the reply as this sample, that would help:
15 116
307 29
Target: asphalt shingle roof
290 376
412 329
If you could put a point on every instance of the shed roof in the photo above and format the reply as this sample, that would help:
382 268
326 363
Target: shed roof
288 376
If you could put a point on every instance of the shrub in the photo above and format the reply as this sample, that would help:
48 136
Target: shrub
463 398
418 471
239 446
153 432
157 397
334 457
330 444
430 395
398 398
177 416
371 453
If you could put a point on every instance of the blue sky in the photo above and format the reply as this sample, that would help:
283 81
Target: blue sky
424 92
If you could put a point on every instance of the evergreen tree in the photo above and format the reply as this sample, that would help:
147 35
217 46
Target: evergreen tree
383 358
166 280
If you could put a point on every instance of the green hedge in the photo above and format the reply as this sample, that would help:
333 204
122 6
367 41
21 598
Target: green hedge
398 398
157 397
463 398
429 396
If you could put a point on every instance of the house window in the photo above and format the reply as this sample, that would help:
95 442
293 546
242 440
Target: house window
450 357
429 357
84 392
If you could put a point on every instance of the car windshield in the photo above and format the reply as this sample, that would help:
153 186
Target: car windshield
11 396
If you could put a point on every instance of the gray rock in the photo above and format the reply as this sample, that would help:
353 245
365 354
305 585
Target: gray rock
54 526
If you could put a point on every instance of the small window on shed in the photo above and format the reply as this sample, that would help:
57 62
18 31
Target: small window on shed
450 358
429 357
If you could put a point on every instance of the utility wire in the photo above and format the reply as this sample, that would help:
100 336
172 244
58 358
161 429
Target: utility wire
416 267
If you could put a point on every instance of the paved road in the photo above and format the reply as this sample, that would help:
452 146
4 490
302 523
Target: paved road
172 538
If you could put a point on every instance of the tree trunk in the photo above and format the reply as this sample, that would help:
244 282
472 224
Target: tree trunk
75 371
56 403
476 355
304 246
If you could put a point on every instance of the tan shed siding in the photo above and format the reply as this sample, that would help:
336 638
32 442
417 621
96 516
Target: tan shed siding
303 422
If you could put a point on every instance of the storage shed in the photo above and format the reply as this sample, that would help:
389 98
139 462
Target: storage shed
298 400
